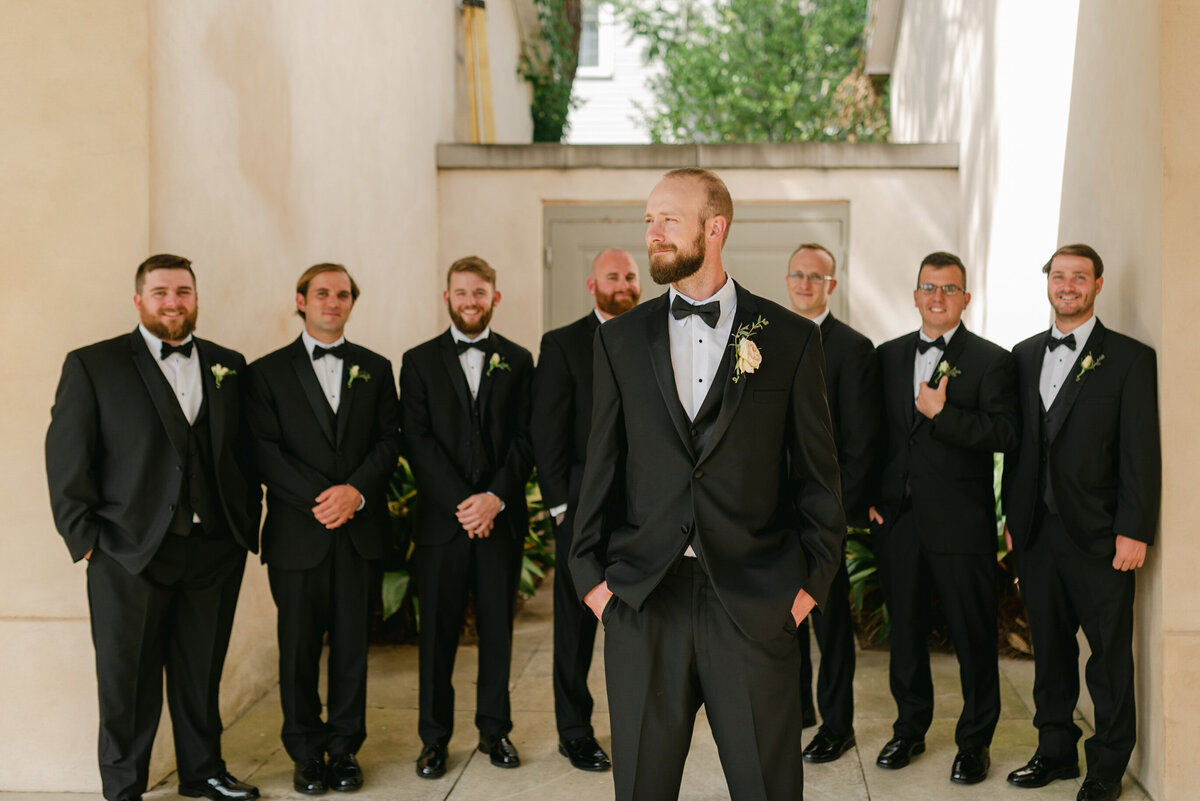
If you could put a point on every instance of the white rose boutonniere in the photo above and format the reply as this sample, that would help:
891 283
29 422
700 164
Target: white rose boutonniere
219 372
749 357
496 363
946 369
1088 364
357 374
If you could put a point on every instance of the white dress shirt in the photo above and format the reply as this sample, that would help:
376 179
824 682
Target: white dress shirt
1056 367
696 349
328 368
471 359
925 363
820 318
183 374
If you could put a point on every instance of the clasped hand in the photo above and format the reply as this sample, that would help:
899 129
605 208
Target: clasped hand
477 514
336 505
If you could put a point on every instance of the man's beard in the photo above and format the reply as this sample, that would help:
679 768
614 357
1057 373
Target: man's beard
175 331
615 306
474 329
683 266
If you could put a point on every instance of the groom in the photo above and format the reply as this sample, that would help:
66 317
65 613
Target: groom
710 417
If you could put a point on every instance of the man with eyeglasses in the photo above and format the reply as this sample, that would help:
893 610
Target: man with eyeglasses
852 388
949 404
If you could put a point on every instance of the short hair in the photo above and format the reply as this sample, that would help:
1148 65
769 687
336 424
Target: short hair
324 267
717 201
820 247
940 258
162 261
1079 249
472 264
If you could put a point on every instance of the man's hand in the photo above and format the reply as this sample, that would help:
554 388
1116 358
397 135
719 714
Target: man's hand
597 598
558 518
1007 537
1131 553
336 505
477 513
803 604
931 401
88 556
874 516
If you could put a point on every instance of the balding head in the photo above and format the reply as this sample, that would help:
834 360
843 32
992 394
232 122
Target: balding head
614 283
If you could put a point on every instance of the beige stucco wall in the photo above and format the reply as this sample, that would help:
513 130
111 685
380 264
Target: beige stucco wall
896 217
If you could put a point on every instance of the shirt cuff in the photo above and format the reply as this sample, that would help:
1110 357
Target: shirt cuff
555 511
362 498
497 497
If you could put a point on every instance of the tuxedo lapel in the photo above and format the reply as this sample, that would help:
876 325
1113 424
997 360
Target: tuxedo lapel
660 361
905 396
160 392
302 364
216 408
349 393
952 354
486 381
731 398
1058 411
454 371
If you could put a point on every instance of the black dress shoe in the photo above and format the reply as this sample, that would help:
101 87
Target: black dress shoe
898 752
431 764
308 776
222 787
345 776
1099 790
826 747
1041 770
501 750
585 753
971 766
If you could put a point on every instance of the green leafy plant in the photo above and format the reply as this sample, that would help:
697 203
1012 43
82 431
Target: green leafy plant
548 63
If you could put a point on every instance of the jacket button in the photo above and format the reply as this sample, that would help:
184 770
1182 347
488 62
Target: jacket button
170 507
684 528
698 474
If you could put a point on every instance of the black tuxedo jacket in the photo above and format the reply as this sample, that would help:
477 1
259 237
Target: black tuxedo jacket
562 407
115 449
762 496
301 449
852 387
1103 459
945 464
436 413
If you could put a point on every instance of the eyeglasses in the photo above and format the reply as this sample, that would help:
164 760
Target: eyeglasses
949 290
812 278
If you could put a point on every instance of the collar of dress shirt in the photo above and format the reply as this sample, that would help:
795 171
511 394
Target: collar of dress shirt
726 295
459 336
599 316
946 337
155 344
820 318
310 342
1081 332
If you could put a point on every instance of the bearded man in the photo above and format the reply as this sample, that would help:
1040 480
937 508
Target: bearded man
465 411
149 464
562 405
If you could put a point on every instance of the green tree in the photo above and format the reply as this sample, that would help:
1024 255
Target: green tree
757 70
548 63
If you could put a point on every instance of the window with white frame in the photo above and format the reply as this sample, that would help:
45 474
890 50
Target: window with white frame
596 40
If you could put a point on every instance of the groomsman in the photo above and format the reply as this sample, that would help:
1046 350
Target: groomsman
465 400
562 405
852 388
710 422
325 418
1082 497
949 404
149 467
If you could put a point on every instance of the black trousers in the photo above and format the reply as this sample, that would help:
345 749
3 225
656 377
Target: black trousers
682 650
574 640
176 614
332 597
966 583
834 629
1064 590
490 569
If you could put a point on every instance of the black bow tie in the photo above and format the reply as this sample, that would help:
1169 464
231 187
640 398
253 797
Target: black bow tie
1068 340
337 351
483 343
184 350
709 312
923 346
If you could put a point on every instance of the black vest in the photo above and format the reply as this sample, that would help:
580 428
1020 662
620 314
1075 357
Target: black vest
1047 489
197 490
479 468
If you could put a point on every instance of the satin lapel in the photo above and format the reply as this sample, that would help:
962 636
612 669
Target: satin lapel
216 402
302 364
664 373
486 382
454 371
905 397
952 354
731 399
1033 392
1058 411
349 393
160 392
